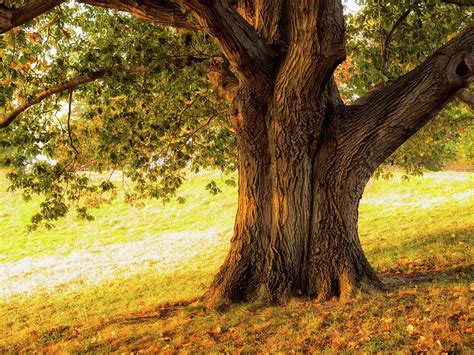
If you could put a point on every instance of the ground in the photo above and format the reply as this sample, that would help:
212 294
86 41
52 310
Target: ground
129 280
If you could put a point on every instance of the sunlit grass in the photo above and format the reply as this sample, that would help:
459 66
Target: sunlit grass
419 234
116 222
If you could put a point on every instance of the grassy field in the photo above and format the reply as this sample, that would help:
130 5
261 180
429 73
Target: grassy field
128 280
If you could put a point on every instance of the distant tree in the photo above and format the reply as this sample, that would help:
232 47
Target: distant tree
101 90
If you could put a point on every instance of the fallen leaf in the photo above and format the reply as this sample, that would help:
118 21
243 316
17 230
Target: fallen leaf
216 330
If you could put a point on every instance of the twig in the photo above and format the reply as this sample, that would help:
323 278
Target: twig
388 39
69 123
459 3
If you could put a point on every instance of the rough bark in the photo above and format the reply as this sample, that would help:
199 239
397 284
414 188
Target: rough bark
11 18
296 227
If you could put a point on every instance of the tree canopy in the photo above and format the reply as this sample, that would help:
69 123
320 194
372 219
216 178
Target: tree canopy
86 89
389 38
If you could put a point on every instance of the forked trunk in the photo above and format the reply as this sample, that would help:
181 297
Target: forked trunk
304 156
296 225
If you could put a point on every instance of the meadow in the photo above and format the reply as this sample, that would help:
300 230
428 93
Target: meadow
130 280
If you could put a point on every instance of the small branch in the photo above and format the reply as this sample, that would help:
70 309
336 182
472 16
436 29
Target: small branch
467 97
207 123
164 152
178 62
71 142
459 3
388 39
68 85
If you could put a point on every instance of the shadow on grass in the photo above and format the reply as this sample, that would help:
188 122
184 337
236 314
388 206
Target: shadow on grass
60 334
464 274
395 277
453 244
161 312
426 248
170 311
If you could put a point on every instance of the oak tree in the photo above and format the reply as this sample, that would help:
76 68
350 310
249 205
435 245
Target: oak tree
144 90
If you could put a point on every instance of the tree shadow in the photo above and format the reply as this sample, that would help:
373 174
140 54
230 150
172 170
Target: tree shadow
424 239
422 249
161 312
396 279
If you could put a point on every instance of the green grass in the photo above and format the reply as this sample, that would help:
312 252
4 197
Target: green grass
114 223
418 234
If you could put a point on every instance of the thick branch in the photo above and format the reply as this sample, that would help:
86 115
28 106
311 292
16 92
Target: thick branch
163 12
388 39
316 48
384 119
239 41
11 18
270 21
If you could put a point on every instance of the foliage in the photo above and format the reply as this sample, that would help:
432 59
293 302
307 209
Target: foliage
428 25
155 117
152 124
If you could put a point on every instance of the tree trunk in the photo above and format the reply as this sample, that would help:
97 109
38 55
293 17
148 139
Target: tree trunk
304 156
304 160
296 225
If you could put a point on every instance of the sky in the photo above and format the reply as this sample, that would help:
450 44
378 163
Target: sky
350 6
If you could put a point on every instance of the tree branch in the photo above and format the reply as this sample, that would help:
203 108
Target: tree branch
178 62
270 21
388 39
385 118
11 18
69 131
238 40
316 48
163 12
459 3
70 85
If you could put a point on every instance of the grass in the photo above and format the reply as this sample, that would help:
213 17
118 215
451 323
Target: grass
114 223
418 235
